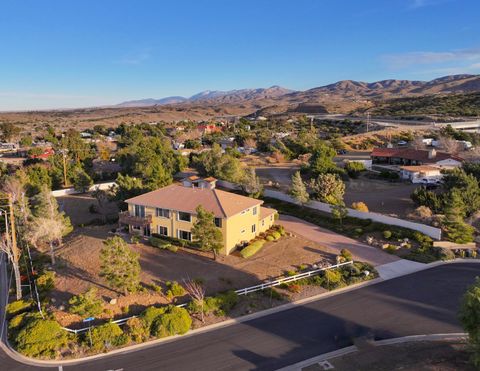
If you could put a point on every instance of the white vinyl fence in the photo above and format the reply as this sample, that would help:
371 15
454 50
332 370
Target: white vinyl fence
244 291
71 191
435 233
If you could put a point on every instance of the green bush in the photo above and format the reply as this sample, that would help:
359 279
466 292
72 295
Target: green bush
272 293
155 287
18 306
354 168
159 242
270 238
172 248
252 249
137 330
41 338
444 254
346 254
276 235
107 335
176 321
46 282
387 234
332 278
87 304
21 320
280 229
149 315
222 303
174 289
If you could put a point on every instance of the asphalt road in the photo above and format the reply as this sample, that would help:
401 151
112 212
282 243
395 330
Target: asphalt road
425 302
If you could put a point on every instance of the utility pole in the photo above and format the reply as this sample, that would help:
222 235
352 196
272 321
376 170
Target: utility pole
64 155
15 251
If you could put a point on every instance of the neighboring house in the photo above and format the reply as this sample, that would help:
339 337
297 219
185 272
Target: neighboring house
421 173
170 211
8 147
209 128
47 152
412 157
227 143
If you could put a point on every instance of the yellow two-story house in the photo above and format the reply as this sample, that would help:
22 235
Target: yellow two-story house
170 211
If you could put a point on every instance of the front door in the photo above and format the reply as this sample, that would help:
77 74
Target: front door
146 231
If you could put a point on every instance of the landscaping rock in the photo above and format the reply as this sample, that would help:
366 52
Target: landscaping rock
113 301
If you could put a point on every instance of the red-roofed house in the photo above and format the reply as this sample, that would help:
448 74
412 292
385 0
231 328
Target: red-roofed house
413 157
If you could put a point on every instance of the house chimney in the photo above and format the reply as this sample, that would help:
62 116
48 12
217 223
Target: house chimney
432 153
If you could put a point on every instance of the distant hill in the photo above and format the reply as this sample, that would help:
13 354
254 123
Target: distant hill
216 96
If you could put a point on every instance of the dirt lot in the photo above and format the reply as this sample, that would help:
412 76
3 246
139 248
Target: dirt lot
434 356
77 207
381 196
79 263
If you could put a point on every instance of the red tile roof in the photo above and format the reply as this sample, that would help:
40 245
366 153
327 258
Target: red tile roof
174 197
413 154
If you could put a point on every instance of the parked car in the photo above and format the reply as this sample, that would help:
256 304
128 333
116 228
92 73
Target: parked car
402 143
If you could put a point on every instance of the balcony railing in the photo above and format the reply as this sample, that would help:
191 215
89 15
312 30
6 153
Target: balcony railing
124 217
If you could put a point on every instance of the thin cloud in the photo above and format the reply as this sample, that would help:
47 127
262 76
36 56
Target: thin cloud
406 60
136 58
473 68
417 4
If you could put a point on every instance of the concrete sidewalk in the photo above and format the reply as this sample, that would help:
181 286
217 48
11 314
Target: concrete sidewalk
399 268
335 242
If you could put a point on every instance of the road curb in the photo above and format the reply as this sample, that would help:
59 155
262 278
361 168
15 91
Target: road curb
351 349
132 348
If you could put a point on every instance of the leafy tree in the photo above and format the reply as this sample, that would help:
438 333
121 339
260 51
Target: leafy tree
251 184
37 176
455 229
76 147
9 131
354 168
423 197
127 187
49 225
119 265
106 336
299 190
468 186
339 211
470 318
328 188
26 141
220 165
86 304
81 180
206 233
321 161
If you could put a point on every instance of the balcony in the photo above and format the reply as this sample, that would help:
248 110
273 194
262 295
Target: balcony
124 217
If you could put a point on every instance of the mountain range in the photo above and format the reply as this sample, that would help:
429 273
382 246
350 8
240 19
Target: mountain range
345 93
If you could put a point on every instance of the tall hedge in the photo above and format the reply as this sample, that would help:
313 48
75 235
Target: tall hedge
41 338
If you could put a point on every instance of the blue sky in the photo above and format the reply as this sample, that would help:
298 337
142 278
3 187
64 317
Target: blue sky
77 53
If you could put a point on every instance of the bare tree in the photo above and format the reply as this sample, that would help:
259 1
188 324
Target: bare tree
418 143
197 292
449 145
48 231
6 246
103 199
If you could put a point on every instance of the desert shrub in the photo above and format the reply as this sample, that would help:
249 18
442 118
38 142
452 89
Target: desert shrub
176 321
332 278
354 168
222 303
107 335
270 238
424 240
290 273
276 235
387 234
137 330
358 231
159 242
346 254
272 293
360 206
41 338
174 289
46 282
294 287
444 254
18 306
150 314
86 304
155 287
280 229
18 322
252 249
391 249
172 248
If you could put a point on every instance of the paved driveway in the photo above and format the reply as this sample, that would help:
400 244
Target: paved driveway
334 242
